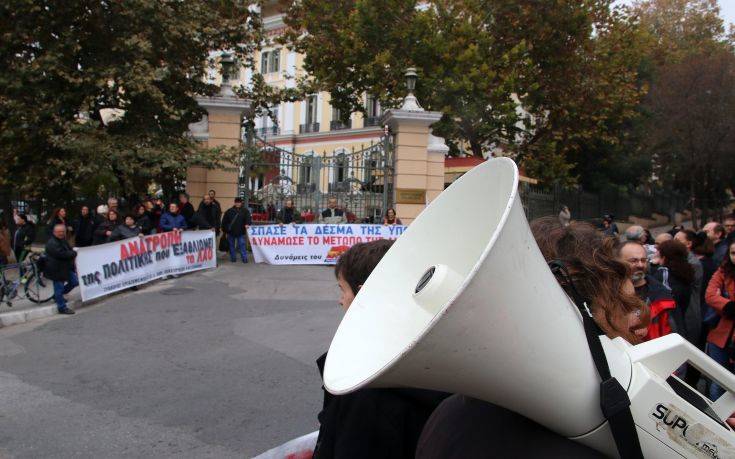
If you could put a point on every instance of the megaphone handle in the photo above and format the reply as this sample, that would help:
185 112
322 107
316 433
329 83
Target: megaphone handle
664 355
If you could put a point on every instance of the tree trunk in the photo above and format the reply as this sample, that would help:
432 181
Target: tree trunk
693 206
476 148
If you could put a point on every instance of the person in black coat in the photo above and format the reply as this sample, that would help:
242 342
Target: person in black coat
333 214
186 209
233 226
60 267
368 423
143 219
104 230
83 228
209 212
677 274
25 234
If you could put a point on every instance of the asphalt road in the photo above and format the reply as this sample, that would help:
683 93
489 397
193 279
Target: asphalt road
213 364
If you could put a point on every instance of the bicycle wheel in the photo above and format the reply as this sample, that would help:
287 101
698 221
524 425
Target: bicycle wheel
39 289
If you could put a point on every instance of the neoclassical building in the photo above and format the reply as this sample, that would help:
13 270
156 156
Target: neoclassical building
306 153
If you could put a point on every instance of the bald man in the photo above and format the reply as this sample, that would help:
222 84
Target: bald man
716 233
60 267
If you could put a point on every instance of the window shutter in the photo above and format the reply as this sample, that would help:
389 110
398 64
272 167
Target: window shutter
264 62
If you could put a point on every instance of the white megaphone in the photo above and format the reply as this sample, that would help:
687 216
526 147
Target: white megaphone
464 302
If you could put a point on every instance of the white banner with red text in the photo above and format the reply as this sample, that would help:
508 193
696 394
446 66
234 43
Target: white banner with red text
312 244
108 268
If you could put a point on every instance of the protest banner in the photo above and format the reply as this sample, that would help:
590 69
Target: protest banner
108 268
312 244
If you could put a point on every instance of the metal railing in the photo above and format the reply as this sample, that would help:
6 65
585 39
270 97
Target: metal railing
309 127
372 121
360 180
266 131
540 202
339 125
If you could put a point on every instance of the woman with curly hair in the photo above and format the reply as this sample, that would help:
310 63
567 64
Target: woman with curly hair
720 295
597 274
459 426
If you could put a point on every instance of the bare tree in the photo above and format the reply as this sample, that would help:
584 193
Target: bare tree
692 127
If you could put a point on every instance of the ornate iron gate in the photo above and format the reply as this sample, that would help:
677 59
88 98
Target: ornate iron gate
360 180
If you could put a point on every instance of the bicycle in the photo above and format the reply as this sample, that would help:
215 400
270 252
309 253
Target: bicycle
35 286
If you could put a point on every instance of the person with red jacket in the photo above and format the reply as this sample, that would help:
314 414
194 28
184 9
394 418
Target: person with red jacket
654 293
719 295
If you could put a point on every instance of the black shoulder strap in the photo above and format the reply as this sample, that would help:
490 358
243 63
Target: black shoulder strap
614 400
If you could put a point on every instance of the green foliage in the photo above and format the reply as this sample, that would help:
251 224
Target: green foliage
66 65
541 81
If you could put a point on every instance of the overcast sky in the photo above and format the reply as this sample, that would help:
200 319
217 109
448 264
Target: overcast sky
727 10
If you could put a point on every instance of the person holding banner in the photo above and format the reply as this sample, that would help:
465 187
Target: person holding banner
288 214
391 218
333 214
233 226
127 230
173 220
60 267
104 230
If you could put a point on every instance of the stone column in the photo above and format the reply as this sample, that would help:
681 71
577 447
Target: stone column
412 182
221 127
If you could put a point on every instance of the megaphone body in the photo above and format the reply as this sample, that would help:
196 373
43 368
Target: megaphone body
464 302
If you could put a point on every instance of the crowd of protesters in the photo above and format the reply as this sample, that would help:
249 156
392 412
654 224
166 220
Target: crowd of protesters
688 280
112 222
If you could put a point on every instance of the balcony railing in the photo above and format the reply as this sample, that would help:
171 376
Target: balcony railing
337 125
266 131
309 127
372 121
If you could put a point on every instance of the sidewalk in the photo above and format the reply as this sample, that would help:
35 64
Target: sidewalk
25 310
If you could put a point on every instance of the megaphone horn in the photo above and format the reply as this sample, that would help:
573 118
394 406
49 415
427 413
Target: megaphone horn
464 302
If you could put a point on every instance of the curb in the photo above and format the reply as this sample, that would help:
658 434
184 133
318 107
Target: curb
20 317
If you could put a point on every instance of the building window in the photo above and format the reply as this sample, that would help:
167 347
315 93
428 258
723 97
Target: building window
270 61
342 165
305 172
268 124
311 109
337 122
372 110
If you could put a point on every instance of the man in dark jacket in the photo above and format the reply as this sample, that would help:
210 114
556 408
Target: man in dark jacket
288 214
60 267
716 232
210 212
660 302
186 208
233 226
332 214
24 236
213 196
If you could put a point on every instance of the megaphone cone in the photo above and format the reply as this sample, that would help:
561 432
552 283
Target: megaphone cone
464 302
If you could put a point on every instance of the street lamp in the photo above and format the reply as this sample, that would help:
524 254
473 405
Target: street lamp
411 77
410 103
227 62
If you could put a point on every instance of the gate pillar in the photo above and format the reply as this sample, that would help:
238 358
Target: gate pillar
221 127
418 156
